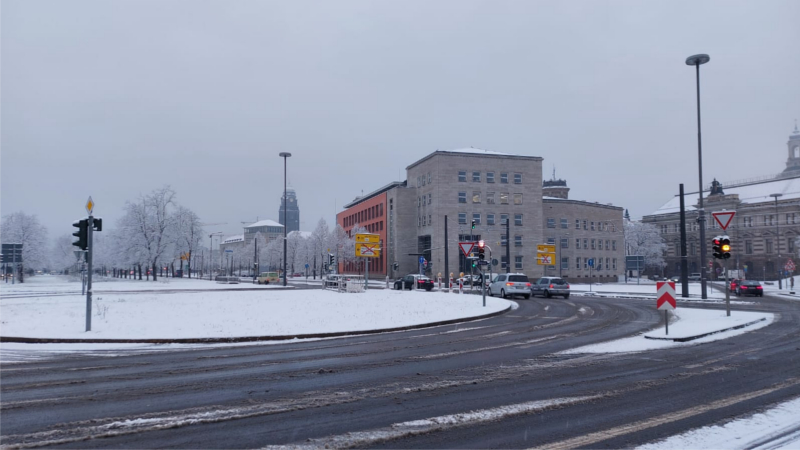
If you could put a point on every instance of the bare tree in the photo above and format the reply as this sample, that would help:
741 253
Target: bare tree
187 234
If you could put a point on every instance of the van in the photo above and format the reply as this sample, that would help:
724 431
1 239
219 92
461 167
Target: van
268 277
694 277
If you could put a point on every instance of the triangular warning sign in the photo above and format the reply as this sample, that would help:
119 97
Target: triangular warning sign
724 218
466 247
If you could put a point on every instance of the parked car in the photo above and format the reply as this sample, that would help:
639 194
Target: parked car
550 286
675 279
510 284
694 277
421 282
750 287
268 277
734 284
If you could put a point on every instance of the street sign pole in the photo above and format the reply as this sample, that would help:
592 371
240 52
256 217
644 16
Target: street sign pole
366 274
89 274
483 286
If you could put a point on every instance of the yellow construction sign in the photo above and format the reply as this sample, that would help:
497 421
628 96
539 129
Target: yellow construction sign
546 255
546 248
365 250
365 238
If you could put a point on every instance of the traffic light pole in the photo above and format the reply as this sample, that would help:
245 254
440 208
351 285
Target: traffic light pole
727 292
89 273
483 285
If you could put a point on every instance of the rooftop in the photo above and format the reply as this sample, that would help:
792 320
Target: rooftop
378 191
474 152
232 239
546 199
748 194
265 223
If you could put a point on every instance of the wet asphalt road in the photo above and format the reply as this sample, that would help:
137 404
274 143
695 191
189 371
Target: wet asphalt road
316 392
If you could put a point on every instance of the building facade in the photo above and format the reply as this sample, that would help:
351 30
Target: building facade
582 231
763 232
269 229
292 211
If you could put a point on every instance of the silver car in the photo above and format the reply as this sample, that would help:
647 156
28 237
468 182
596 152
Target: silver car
550 286
510 284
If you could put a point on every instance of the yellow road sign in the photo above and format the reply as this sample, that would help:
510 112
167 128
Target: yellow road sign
364 238
367 250
546 248
545 259
89 205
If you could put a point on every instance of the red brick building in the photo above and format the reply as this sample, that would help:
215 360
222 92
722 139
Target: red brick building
370 212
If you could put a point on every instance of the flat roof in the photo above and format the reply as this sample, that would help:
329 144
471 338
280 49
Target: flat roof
372 194
477 152
580 202
265 223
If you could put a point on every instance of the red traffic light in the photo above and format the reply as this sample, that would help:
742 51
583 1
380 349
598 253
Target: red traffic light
481 244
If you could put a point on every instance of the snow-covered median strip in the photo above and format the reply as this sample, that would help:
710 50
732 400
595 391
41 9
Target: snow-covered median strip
775 428
231 314
685 322
414 427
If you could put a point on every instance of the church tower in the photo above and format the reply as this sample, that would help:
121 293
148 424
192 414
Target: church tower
793 163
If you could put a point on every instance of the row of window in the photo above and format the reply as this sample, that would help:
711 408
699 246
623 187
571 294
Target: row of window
476 177
693 249
594 244
583 263
747 222
517 262
490 198
585 224
490 219
362 216
425 200
421 180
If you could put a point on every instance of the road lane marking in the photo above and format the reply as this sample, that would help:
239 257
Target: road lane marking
599 436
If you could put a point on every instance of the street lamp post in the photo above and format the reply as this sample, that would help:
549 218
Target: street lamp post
697 60
284 155
778 240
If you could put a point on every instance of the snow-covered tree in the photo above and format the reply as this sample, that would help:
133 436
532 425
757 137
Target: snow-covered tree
318 244
147 224
186 234
21 228
62 255
644 239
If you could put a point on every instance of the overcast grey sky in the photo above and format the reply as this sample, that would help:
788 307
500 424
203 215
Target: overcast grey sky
115 98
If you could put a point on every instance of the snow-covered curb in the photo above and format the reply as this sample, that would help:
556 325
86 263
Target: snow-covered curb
713 325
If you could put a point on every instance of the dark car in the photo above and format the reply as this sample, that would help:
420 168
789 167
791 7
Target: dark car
550 286
414 281
750 287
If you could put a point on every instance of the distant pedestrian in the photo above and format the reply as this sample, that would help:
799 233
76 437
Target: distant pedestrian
791 282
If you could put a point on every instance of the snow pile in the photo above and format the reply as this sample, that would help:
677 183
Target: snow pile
157 315
777 426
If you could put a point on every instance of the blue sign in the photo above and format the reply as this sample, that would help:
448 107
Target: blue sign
306 265
421 260
590 262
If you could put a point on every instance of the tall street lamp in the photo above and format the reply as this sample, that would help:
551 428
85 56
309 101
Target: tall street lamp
697 60
284 155
778 240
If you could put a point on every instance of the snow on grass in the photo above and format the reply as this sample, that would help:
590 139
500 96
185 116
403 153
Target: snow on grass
775 428
647 289
233 313
50 284
687 322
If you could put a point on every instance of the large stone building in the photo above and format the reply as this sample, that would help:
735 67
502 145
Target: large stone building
763 232
583 231
488 188
292 211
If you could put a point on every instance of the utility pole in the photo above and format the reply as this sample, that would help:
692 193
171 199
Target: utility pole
508 245
446 258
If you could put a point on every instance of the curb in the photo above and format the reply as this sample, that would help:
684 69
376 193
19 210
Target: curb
691 338
228 340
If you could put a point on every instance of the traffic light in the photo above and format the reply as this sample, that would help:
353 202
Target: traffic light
82 234
98 224
474 262
725 247
473 224
395 266
331 259
717 246
481 250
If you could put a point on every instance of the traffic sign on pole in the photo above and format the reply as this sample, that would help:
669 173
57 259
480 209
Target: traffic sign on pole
665 295
724 218
466 247
89 206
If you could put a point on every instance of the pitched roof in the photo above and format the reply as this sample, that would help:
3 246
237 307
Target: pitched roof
232 239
